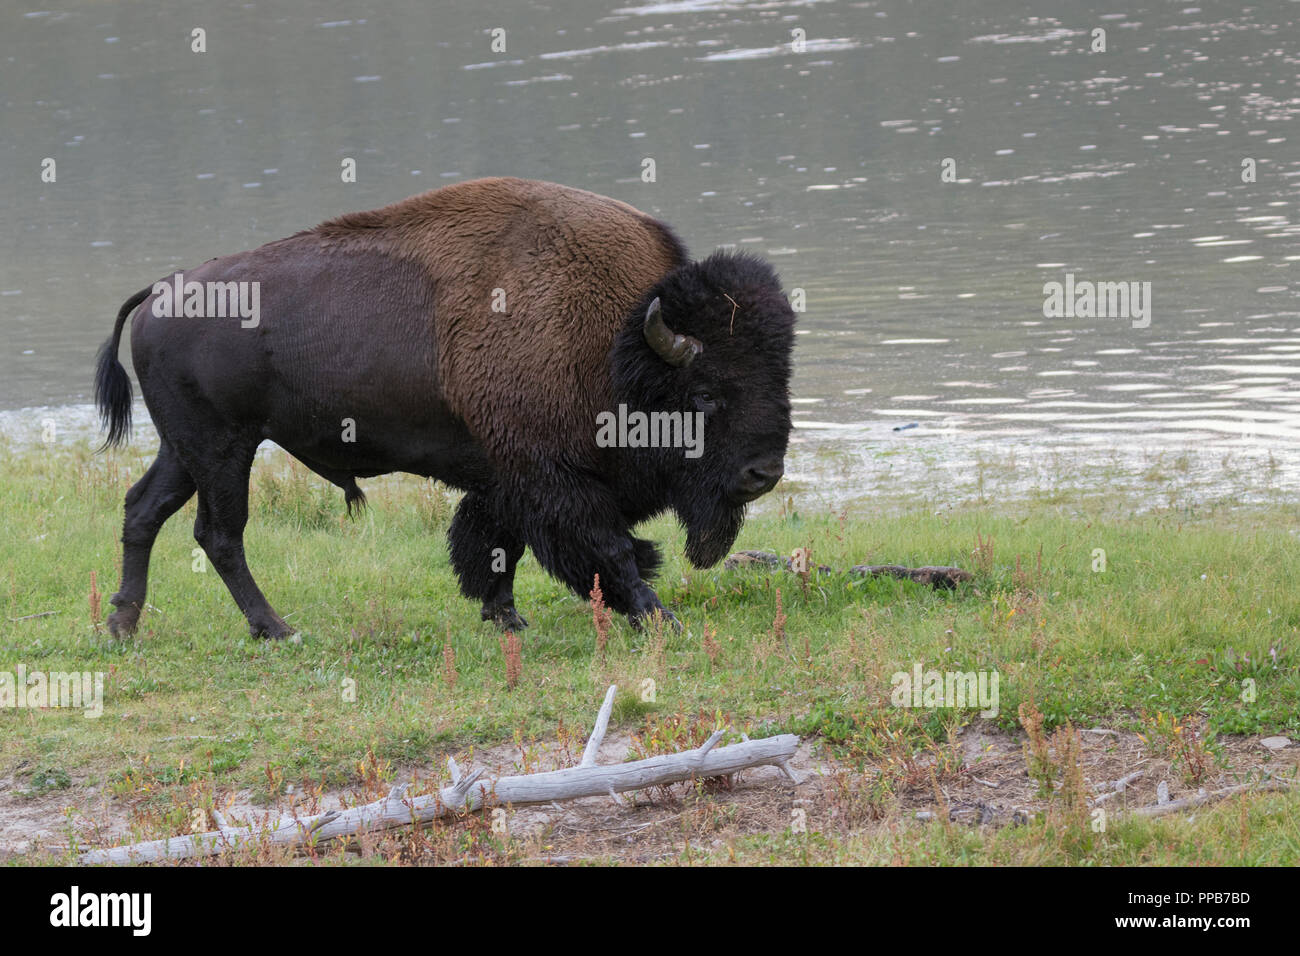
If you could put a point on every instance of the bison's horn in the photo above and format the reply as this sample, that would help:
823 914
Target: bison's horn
676 350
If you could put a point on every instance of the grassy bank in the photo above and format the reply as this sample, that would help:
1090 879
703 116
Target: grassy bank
1178 625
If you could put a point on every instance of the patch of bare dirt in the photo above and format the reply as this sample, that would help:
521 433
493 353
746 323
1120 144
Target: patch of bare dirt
987 784
31 821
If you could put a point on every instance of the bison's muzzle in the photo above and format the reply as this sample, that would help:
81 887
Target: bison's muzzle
758 479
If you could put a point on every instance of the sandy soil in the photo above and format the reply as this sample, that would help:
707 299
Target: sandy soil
991 788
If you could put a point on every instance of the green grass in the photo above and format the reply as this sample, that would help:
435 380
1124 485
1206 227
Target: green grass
1192 604
1264 831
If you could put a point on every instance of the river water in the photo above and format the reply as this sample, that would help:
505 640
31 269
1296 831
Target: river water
919 170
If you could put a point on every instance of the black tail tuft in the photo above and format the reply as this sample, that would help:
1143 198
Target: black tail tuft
112 395
112 386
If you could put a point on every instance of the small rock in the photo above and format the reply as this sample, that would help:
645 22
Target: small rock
1162 792
1275 743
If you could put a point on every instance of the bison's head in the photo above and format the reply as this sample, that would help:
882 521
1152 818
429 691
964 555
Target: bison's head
711 341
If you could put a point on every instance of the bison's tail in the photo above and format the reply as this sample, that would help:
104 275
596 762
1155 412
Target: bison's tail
112 386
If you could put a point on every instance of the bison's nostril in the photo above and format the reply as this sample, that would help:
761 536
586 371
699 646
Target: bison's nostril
759 479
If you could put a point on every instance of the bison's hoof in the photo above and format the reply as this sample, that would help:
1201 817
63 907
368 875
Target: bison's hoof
654 617
275 630
123 621
505 617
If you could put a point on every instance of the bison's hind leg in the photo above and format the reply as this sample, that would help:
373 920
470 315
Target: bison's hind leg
484 554
220 469
163 489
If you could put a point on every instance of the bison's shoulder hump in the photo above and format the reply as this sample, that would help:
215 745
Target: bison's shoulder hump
506 216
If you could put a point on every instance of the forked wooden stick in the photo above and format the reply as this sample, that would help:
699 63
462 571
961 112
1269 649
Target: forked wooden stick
467 793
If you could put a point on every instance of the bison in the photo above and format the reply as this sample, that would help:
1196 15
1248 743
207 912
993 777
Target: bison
499 335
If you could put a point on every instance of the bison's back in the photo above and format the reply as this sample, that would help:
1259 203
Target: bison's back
531 283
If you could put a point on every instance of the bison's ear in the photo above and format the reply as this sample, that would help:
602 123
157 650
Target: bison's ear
677 350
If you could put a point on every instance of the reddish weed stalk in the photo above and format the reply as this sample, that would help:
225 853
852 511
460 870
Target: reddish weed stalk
778 622
512 648
95 598
601 618
449 674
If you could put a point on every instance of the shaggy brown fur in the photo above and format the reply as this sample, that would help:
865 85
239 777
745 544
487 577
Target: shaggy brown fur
542 244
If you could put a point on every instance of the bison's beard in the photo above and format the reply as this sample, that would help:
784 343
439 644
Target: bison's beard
710 531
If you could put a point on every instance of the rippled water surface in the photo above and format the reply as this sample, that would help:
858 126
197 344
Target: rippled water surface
924 298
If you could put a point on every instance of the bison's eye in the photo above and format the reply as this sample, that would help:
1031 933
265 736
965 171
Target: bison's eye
705 402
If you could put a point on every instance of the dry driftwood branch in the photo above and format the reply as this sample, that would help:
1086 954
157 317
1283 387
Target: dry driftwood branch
1116 787
1202 798
466 793
980 814
598 732
983 814
935 576
767 559
29 617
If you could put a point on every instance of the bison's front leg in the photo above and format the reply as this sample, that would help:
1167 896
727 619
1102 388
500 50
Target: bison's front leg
621 585
595 540
484 554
